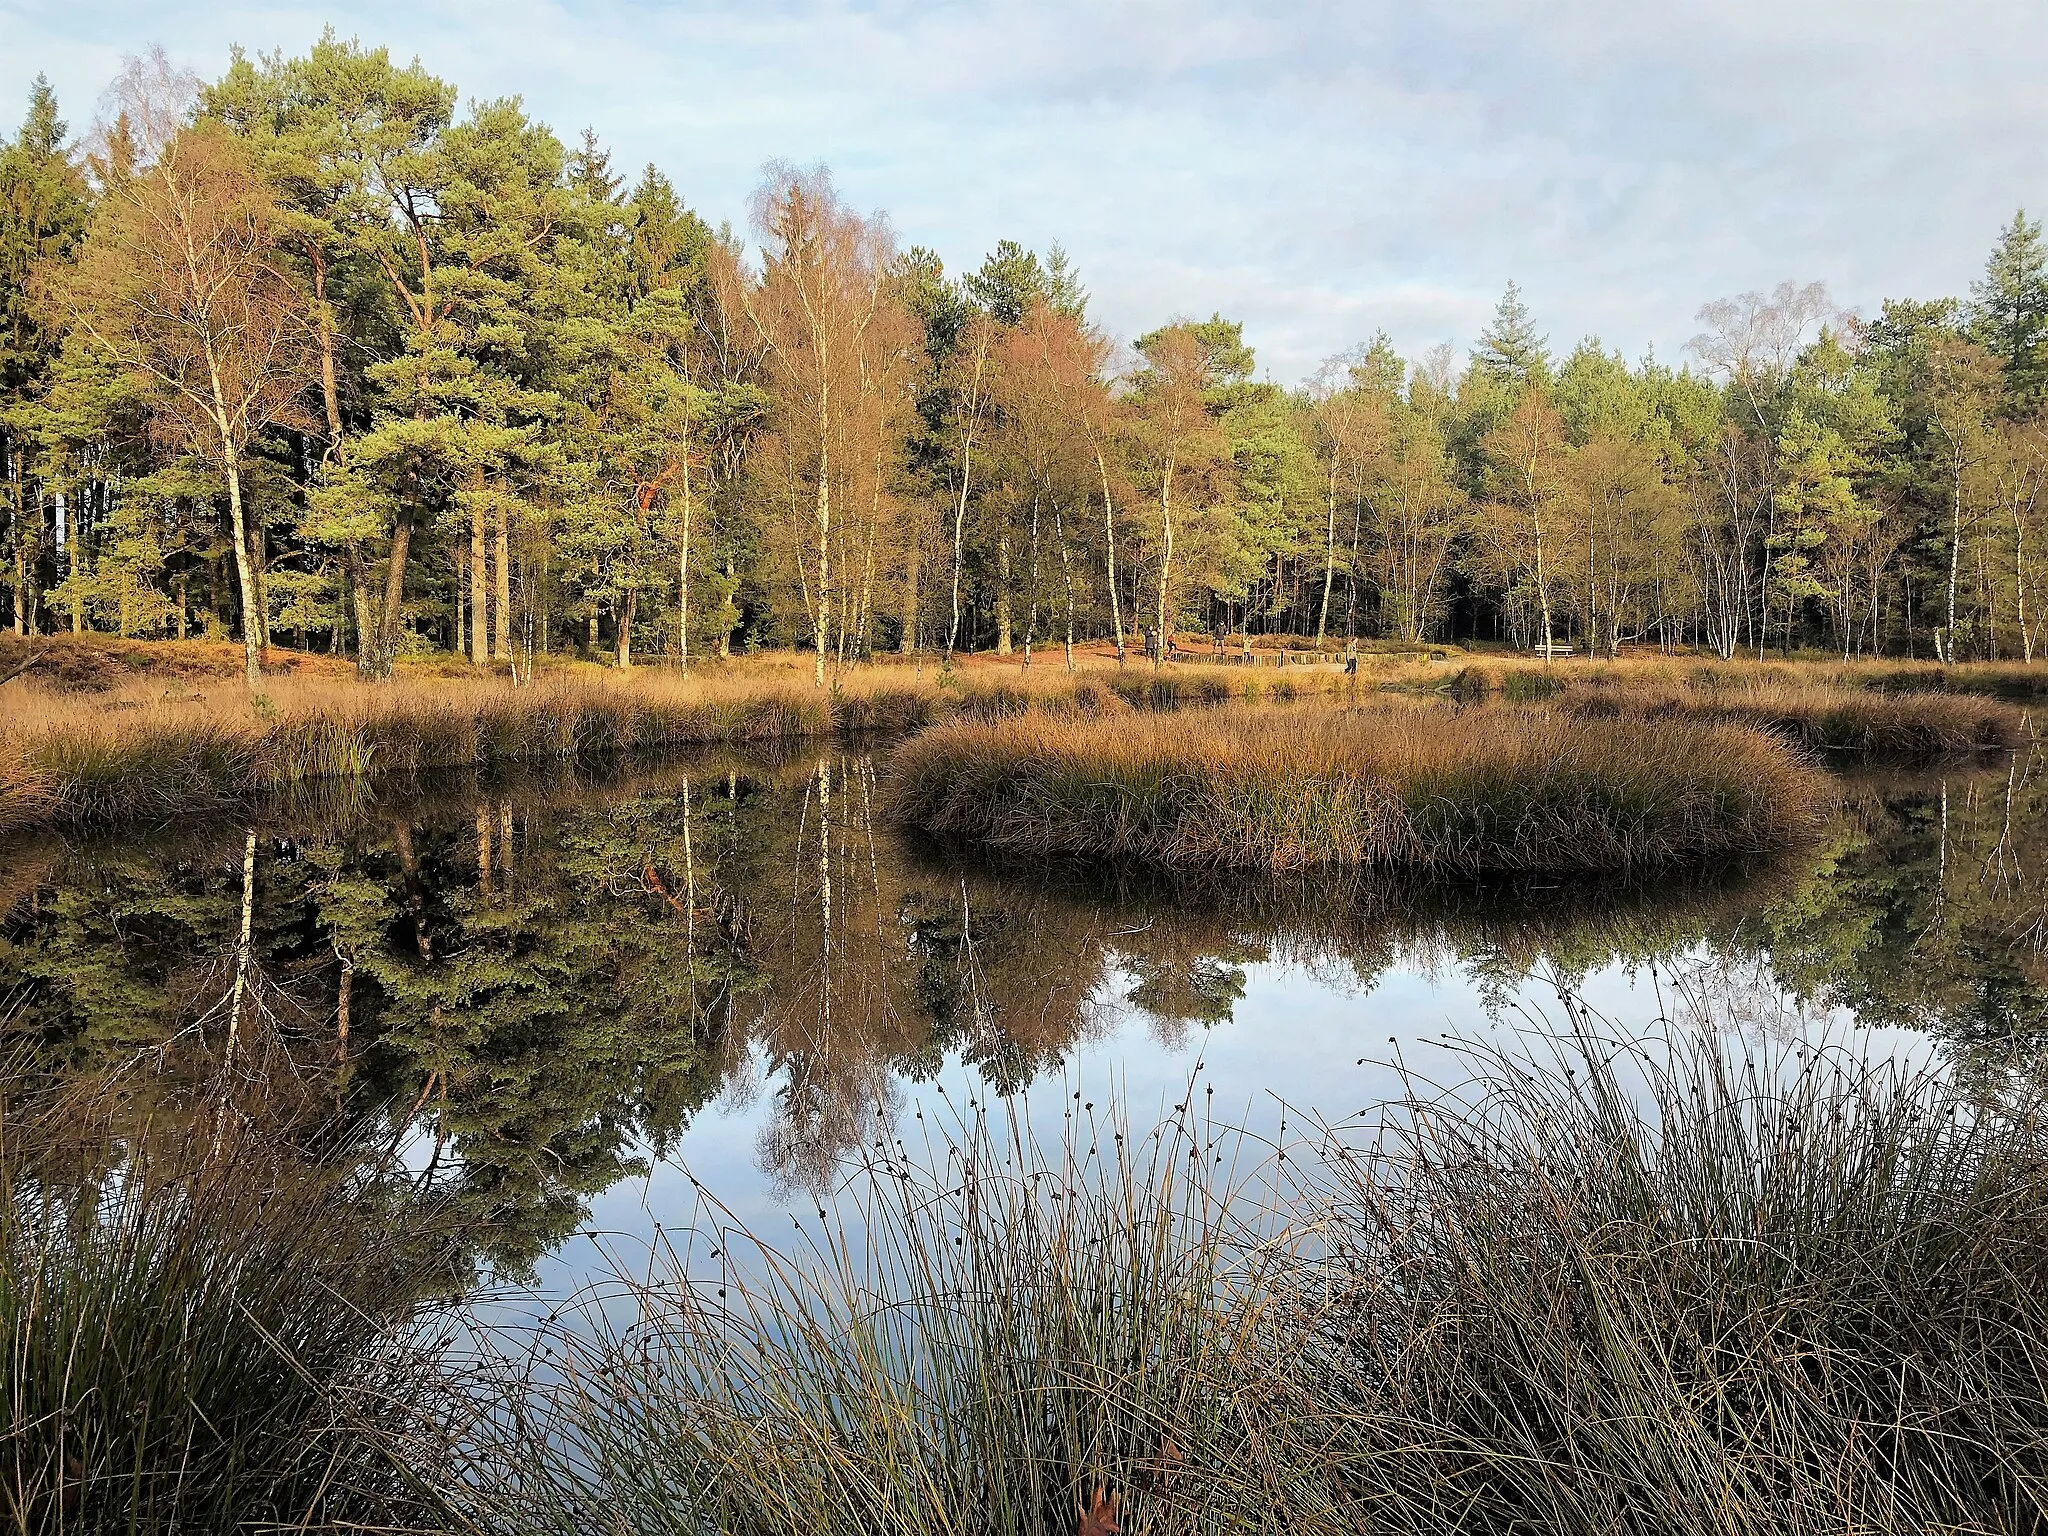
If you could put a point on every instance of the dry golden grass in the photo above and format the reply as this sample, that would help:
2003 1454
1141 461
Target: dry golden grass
175 736
70 759
1855 711
1388 786
1892 727
141 750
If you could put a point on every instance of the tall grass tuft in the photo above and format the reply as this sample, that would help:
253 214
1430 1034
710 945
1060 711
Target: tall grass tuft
1693 1290
227 1348
1388 787
1669 1287
985 1337
105 771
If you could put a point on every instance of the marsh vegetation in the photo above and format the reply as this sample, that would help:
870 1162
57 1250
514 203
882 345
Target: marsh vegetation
1810 1281
1389 787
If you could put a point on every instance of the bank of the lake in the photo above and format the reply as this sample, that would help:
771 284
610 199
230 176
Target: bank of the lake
151 732
142 753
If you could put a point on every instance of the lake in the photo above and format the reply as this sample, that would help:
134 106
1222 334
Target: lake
566 1005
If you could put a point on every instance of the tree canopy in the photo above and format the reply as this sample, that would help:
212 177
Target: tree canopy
506 400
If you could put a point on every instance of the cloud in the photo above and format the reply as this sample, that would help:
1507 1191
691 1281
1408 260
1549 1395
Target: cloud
1321 173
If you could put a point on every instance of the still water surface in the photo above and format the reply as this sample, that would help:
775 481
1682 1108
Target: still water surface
564 997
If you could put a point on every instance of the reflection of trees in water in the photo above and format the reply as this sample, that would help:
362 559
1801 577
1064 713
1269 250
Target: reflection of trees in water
540 981
1929 911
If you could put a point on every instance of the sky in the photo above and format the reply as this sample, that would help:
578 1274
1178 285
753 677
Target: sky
1319 171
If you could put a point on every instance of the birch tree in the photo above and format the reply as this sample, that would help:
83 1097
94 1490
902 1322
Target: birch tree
821 290
180 286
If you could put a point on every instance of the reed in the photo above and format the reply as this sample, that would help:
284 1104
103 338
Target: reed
986 1334
1388 787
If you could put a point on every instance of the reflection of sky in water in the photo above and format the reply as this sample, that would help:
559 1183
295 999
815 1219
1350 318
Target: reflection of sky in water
1291 1048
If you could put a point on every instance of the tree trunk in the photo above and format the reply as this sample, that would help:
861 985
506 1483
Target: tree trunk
732 586
1004 644
359 594
241 985
344 988
323 313
683 566
2019 577
502 573
1536 526
824 563
21 572
252 645
1329 561
10 468
479 585
74 541
1163 640
959 527
1955 555
259 566
913 573
386 648
1031 609
1067 569
1116 612
864 609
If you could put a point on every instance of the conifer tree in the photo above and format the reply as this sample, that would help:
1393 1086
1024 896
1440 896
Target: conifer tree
2009 312
44 207
1511 349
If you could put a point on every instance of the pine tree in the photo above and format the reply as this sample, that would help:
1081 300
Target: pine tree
1221 341
1063 290
44 207
1009 283
1510 349
668 246
2009 312
43 212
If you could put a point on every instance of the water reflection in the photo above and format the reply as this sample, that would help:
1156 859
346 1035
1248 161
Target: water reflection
535 984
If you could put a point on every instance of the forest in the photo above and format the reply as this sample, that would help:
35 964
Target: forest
311 356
